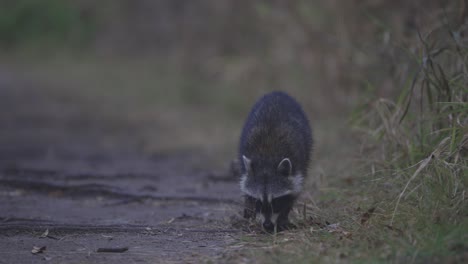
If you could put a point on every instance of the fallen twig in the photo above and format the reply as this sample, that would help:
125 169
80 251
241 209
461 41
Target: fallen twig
112 250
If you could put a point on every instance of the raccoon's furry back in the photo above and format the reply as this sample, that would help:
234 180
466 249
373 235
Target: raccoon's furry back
277 128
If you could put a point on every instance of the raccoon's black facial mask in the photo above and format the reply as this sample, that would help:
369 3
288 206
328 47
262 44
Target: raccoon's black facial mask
276 206
280 203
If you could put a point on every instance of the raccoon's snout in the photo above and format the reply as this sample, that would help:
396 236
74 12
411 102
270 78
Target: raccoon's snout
268 217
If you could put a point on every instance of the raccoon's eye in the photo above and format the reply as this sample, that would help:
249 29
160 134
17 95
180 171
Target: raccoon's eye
282 202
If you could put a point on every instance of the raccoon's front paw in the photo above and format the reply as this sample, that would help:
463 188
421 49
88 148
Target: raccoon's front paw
249 214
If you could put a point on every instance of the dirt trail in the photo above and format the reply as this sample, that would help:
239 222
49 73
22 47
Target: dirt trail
58 174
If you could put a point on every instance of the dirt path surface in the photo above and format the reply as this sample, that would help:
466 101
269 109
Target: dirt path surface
58 173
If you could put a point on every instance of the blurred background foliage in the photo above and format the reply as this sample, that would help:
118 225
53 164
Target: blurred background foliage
26 23
218 56
327 35
212 58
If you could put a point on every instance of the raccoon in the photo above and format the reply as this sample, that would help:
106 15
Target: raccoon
274 154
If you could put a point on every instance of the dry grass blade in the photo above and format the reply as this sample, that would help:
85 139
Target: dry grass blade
410 95
423 164
45 234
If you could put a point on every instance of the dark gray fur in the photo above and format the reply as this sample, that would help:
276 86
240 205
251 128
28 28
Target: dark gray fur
276 129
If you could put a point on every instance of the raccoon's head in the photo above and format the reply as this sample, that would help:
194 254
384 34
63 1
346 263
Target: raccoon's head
272 185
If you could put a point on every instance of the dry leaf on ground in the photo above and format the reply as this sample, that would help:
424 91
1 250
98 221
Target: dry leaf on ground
37 250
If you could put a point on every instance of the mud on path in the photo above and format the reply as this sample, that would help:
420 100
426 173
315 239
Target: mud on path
58 173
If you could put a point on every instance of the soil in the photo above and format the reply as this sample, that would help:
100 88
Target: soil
75 183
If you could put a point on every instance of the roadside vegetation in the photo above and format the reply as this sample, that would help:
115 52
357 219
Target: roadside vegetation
406 198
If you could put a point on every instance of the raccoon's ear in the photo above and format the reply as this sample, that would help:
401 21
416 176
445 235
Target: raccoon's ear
247 164
285 167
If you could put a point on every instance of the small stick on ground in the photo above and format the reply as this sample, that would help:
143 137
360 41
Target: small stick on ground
112 250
